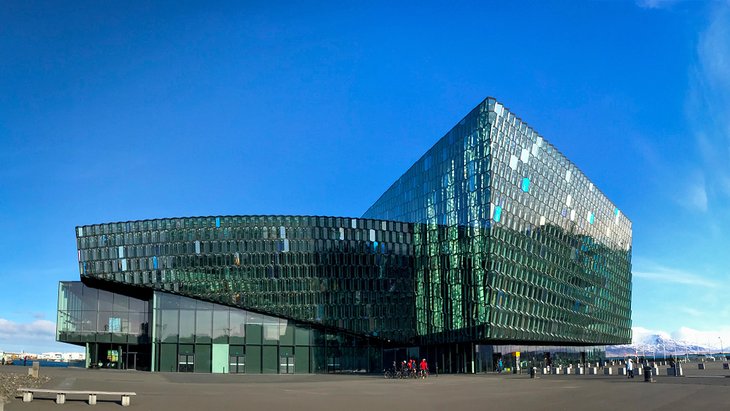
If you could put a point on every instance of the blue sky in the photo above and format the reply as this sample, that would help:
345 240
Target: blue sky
112 111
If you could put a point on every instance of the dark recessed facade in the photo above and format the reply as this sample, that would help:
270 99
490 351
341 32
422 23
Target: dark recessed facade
492 245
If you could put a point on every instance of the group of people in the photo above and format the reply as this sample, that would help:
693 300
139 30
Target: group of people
412 367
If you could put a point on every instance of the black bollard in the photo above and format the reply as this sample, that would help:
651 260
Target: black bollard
647 374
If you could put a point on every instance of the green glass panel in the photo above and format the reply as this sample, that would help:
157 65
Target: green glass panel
186 349
202 358
253 359
187 326
254 334
270 359
168 357
288 337
237 350
203 326
221 326
302 360
169 322
303 336
237 328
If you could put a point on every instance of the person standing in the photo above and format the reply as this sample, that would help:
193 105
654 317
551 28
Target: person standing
499 366
630 368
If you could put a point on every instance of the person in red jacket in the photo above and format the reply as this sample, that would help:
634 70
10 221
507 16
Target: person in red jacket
424 368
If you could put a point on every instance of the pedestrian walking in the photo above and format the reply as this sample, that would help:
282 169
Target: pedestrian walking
630 368
424 368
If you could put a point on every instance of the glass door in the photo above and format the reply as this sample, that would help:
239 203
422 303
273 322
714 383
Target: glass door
237 364
186 363
286 364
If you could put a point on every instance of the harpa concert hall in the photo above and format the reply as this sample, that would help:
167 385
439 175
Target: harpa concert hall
493 245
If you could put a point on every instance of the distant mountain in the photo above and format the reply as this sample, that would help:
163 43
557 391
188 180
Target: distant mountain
657 345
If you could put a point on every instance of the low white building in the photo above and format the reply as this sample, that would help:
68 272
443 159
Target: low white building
62 356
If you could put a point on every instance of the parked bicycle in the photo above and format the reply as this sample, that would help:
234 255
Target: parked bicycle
395 374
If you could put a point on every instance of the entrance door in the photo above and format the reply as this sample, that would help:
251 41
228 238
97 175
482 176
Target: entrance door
186 362
237 359
286 364
131 360
237 364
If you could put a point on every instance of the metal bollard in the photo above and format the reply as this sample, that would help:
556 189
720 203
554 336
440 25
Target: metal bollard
647 374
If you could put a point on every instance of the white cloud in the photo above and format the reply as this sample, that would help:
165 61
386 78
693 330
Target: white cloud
37 336
708 104
691 311
696 195
704 338
655 4
659 273
17 333
713 48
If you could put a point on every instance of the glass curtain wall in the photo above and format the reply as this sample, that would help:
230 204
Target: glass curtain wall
114 326
512 241
350 274
198 336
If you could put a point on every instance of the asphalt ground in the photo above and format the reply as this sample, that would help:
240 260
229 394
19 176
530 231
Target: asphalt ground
708 390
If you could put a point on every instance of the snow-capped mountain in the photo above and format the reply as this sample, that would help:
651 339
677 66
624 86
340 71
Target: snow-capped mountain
658 345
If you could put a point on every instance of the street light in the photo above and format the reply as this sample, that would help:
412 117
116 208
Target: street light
721 350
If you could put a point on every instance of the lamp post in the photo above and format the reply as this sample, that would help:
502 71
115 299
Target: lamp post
721 349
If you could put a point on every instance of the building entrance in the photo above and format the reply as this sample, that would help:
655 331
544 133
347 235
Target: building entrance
119 356
286 364
186 363
237 364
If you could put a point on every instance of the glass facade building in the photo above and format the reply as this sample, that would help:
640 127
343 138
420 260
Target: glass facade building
491 239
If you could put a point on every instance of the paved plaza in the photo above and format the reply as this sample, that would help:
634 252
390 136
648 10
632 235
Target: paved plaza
707 390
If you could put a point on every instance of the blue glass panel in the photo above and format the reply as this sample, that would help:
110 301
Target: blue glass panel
497 213
154 262
115 324
217 222
525 184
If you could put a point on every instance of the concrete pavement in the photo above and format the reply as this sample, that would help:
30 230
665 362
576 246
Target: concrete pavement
181 392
